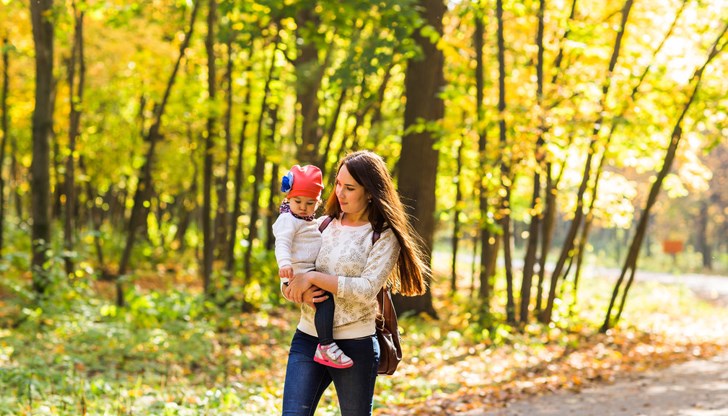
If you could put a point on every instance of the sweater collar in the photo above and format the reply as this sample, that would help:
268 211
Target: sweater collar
286 208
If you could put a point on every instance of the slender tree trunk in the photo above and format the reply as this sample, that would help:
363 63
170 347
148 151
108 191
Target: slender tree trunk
239 184
189 208
474 263
15 177
41 12
5 130
503 214
329 137
702 237
536 212
456 218
504 209
377 110
97 218
76 88
141 195
207 230
630 263
484 226
547 232
424 80
222 216
548 220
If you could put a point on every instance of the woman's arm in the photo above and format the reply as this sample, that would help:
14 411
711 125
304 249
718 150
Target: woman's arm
380 263
304 281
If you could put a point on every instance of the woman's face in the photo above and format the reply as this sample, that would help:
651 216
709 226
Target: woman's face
353 198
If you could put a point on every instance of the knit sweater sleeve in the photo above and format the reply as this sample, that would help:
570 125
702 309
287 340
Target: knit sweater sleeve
379 265
284 229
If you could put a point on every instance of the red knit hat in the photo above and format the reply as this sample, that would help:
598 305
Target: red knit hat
306 181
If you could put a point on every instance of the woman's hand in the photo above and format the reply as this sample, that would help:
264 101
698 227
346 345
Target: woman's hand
298 286
311 296
314 295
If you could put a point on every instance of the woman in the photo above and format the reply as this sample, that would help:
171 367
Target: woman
354 270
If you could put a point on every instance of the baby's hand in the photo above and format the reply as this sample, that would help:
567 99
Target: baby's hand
285 272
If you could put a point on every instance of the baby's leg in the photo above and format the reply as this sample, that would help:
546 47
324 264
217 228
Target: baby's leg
327 352
324 320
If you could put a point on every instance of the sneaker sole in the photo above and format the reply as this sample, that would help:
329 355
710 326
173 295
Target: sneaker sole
331 364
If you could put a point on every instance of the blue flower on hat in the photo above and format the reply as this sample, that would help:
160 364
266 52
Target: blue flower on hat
287 182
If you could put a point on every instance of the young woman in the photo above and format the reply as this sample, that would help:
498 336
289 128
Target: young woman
354 270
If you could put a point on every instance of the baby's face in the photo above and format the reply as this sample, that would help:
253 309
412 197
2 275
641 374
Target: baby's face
303 206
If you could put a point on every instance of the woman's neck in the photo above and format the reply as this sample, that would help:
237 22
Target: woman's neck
360 218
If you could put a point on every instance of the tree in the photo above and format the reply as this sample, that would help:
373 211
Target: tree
75 87
579 212
5 131
208 237
41 11
152 137
419 157
630 263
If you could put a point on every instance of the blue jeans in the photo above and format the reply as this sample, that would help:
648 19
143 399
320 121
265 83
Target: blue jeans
306 380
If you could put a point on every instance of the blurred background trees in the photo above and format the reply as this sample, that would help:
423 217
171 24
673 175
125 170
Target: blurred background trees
525 136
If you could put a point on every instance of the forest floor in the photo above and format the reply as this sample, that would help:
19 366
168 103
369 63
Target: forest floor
692 388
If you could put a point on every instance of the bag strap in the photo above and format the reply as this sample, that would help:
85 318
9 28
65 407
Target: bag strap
389 315
325 223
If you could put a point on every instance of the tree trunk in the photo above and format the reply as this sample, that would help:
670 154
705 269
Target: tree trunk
208 240
309 73
96 216
238 188
536 210
5 130
41 12
702 243
484 226
222 216
456 218
630 263
188 208
547 232
418 159
329 137
76 88
504 209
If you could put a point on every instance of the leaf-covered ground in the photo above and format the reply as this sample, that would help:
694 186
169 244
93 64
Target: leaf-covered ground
173 353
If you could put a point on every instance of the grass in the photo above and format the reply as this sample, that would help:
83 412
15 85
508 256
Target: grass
170 352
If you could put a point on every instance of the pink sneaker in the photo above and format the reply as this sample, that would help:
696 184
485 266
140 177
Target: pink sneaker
332 356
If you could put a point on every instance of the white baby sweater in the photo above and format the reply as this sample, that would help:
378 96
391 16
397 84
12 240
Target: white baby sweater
297 242
362 268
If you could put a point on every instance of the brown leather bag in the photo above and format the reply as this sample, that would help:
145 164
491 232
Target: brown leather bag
390 350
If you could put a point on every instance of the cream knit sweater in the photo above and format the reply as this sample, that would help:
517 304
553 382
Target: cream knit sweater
297 242
362 268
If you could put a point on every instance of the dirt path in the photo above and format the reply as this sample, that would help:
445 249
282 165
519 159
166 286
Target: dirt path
694 388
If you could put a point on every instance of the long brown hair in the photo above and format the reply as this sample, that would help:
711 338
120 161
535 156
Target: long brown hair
386 210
